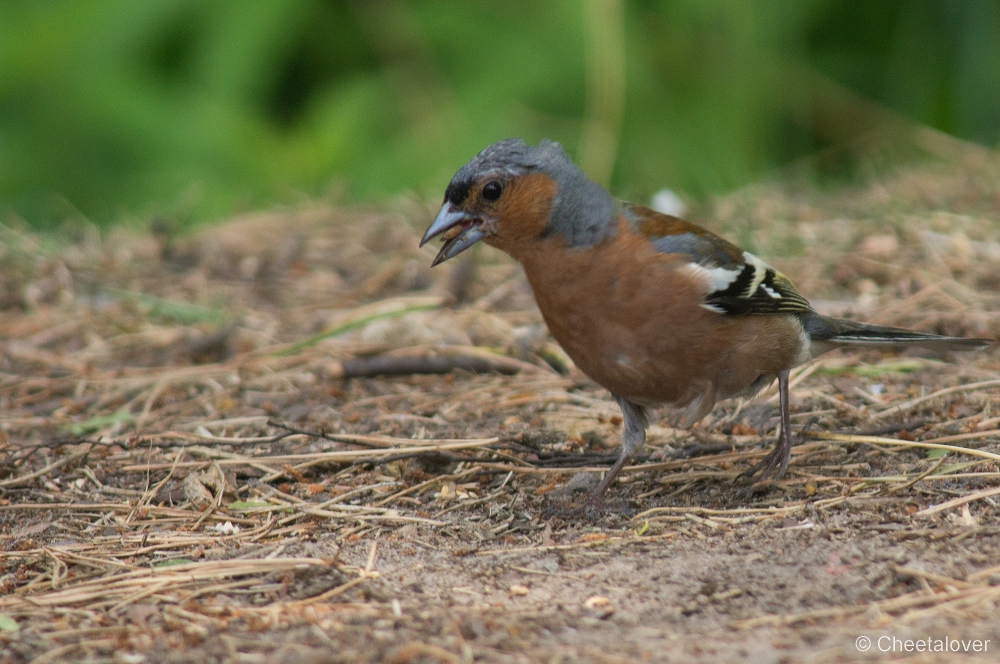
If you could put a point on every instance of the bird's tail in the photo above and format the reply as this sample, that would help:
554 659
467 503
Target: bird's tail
838 332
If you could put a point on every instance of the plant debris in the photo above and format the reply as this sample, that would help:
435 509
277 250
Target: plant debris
342 455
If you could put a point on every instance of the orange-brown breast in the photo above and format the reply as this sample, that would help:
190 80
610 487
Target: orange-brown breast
631 320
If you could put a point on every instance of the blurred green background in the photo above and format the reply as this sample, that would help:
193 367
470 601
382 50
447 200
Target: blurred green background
118 110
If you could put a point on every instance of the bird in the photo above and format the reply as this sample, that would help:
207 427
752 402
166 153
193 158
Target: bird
655 309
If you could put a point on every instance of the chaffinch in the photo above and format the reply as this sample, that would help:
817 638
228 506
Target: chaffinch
653 308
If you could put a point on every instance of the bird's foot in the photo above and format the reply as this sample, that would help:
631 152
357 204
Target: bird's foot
771 467
595 508
595 505
615 508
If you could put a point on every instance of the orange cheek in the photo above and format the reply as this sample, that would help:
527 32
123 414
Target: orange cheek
526 210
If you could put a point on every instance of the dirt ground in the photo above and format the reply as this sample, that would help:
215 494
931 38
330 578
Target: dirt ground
232 446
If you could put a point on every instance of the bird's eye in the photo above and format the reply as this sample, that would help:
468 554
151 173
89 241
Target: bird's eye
492 190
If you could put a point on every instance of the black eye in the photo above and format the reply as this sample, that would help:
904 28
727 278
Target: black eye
492 190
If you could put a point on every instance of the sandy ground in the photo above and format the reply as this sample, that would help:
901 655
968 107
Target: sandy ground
203 459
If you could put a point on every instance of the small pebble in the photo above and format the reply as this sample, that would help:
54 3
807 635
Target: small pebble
579 482
599 607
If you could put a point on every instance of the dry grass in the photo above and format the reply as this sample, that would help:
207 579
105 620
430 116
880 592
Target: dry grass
203 456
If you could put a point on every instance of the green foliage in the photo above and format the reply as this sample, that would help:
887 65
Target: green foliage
244 505
355 324
8 624
192 110
172 562
169 311
99 422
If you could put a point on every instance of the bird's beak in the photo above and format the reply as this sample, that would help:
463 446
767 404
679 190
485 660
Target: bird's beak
461 230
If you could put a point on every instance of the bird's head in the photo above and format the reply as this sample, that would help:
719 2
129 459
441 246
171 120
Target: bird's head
511 194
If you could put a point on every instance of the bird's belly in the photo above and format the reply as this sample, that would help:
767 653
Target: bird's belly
640 332
620 360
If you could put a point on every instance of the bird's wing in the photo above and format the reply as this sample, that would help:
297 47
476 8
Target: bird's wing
737 282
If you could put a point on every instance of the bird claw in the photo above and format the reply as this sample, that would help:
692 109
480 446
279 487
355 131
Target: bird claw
771 467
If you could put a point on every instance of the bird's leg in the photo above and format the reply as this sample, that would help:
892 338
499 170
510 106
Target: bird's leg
633 438
773 466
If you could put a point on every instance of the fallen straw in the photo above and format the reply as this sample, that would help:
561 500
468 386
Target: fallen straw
928 444
321 457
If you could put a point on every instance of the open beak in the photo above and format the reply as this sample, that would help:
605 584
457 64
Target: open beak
461 231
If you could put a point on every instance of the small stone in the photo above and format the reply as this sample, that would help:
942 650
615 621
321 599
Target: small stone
518 590
599 607
578 483
879 246
195 491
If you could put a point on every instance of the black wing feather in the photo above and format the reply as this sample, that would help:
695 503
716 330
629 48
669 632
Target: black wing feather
773 295
755 287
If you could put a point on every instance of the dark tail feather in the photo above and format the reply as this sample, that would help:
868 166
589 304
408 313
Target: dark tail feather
838 332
